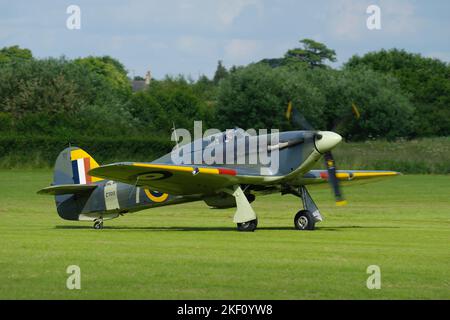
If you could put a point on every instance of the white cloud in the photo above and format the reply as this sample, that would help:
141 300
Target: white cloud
216 14
229 10
197 46
191 35
347 18
239 51
399 17
444 56
5 32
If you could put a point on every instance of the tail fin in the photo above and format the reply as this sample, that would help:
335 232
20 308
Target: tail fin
72 186
72 167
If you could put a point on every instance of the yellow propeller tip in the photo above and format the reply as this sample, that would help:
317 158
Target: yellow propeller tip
341 203
289 110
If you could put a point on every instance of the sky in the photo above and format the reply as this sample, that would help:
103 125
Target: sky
190 36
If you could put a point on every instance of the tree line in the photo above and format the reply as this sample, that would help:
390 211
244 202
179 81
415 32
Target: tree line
397 95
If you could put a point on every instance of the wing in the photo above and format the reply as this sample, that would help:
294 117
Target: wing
173 179
320 176
67 189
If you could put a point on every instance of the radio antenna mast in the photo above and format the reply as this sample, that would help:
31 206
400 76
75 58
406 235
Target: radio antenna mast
175 133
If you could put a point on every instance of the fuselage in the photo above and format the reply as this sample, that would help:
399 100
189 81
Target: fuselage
297 153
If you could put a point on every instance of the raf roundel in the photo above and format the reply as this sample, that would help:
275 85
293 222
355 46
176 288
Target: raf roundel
156 196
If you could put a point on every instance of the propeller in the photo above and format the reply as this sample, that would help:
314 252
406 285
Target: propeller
333 180
298 118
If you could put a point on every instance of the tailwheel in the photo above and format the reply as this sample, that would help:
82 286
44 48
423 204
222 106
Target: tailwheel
304 220
248 226
98 224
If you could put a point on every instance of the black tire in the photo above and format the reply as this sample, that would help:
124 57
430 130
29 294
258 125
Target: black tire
304 220
98 225
248 226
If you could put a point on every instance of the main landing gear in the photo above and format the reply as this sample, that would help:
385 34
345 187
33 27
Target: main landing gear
305 219
246 220
98 224
245 217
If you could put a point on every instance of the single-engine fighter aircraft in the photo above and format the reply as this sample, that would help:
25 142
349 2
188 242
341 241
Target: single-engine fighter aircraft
85 191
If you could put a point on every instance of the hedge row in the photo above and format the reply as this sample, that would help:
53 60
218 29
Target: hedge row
423 156
41 151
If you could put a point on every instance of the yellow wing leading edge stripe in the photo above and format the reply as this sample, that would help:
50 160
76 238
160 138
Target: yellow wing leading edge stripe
353 175
187 168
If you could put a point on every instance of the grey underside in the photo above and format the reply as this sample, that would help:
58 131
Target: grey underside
129 199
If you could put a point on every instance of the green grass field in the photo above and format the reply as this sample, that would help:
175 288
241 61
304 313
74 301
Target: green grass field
192 252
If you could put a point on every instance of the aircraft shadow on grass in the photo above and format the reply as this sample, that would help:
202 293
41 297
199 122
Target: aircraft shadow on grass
338 228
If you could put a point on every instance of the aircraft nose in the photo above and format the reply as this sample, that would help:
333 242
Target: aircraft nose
326 140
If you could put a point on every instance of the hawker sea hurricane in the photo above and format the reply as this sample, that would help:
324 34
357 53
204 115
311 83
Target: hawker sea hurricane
85 191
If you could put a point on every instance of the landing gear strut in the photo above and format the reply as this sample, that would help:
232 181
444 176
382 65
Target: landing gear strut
245 217
98 224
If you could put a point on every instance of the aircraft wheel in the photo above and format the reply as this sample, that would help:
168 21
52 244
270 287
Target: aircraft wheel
98 224
248 226
304 220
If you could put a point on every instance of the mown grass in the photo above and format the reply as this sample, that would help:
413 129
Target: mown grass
192 252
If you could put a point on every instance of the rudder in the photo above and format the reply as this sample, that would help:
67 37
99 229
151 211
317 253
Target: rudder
72 166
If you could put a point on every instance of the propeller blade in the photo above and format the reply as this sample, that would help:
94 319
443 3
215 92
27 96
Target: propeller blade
356 111
347 117
333 180
296 118
289 111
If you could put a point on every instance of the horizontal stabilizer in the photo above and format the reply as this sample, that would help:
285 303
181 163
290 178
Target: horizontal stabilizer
68 189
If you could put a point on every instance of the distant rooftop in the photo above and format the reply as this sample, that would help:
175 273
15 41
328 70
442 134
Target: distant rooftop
139 85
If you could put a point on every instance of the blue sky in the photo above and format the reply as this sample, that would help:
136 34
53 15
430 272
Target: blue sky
190 36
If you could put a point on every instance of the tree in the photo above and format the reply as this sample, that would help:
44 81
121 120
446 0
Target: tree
385 111
59 97
313 53
111 70
116 63
15 53
426 80
168 101
257 97
221 73
37 86
206 89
